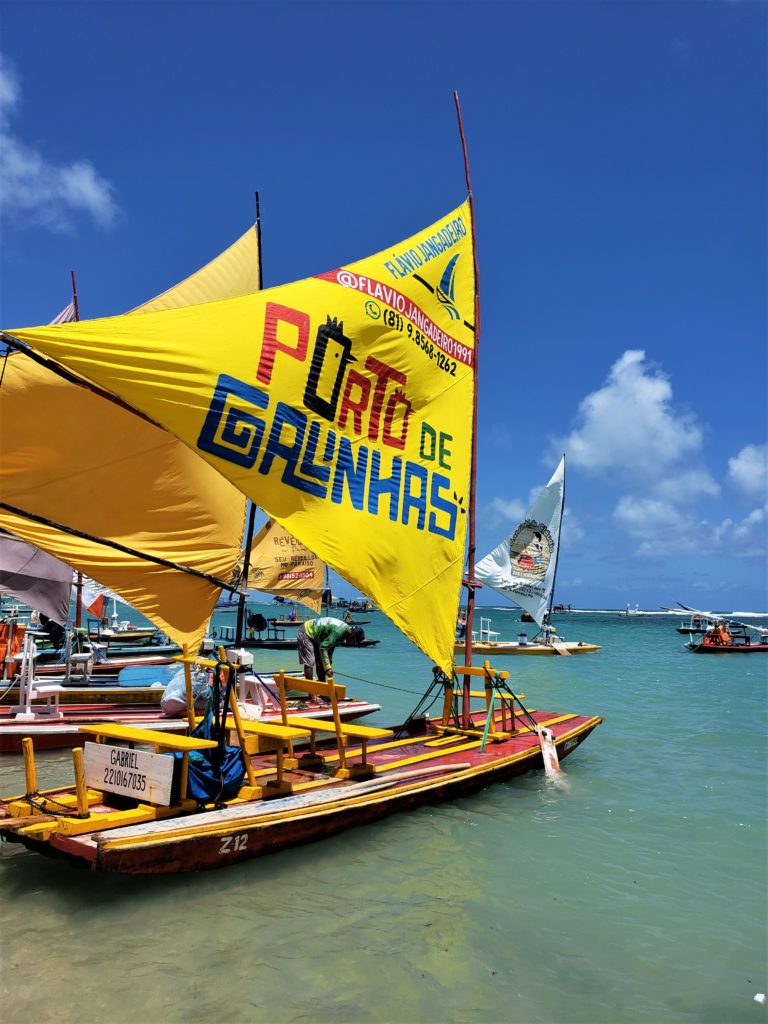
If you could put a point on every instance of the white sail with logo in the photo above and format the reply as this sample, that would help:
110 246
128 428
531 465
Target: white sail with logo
522 568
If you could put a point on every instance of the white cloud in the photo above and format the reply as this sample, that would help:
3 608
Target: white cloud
750 531
572 530
499 510
687 486
649 519
663 530
37 191
629 423
749 470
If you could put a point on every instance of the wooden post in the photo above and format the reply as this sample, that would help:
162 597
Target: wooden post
188 690
29 766
448 702
184 780
80 787
337 723
236 717
241 735
283 707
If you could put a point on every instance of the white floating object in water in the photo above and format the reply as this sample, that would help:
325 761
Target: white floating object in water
549 752
760 997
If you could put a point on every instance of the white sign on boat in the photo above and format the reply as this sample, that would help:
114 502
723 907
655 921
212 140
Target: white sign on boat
137 773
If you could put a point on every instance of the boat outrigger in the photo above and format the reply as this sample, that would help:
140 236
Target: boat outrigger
345 407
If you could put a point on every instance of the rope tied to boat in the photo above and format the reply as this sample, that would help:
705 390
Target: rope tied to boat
47 805
374 682
425 704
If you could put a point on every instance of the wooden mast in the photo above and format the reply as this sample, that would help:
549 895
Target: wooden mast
240 625
78 575
470 582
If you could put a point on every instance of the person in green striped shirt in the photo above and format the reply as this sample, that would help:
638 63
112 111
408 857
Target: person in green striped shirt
316 640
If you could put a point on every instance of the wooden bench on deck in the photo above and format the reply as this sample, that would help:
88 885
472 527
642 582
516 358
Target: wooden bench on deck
331 691
262 736
491 693
161 741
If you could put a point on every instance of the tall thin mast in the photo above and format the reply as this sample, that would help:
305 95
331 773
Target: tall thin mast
239 628
470 582
557 553
79 575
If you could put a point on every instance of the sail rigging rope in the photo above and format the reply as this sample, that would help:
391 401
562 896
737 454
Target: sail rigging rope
373 682
42 804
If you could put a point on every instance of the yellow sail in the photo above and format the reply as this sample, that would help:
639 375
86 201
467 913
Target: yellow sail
281 564
341 404
79 460
233 272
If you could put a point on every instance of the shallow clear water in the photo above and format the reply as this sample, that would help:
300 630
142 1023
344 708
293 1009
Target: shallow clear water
635 890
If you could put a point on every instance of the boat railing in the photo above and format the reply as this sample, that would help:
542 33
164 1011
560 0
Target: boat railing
486 634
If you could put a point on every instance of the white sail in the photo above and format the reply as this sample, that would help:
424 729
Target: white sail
522 568
35 577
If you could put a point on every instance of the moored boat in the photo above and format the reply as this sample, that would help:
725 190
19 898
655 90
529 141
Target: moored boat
402 771
51 714
695 625
523 569
547 644
730 638
373 502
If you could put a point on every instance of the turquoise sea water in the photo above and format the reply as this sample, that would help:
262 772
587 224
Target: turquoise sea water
634 890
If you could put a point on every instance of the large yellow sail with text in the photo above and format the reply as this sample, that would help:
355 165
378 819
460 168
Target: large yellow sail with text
281 564
74 458
340 404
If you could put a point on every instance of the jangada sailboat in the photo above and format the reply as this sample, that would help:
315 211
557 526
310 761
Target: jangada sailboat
523 569
344 405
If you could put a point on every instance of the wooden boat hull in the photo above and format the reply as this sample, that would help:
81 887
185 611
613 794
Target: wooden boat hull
98 694
124 636
110 667
58 734
702 648
217 838
49 733
539 650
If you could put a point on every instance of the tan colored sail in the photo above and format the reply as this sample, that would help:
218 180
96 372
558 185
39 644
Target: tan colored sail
79 460
280 564
234 272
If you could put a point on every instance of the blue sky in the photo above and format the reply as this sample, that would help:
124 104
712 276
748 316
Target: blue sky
618 156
